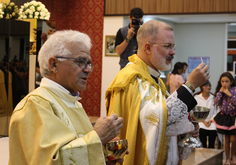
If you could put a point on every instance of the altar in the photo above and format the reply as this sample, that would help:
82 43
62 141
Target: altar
205 156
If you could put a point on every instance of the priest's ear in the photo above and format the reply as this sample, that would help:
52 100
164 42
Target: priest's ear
147 47
53 64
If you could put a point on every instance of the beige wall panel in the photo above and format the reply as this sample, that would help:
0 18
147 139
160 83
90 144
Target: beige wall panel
232 5
119 6
149 6
126 6
221 5
176 6
123 7
206 6
162 6
190 6
135 3
109 7
139 3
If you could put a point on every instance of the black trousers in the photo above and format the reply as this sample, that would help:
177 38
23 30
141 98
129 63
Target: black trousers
203 133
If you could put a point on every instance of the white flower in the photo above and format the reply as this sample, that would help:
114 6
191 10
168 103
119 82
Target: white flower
42 13
36 9
40 4
8 10
27 11
32 7
39 8
34 3
31 12
30 16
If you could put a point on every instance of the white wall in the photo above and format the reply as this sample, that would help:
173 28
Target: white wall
207 40
110 65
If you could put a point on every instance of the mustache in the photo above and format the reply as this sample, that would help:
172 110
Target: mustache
170 57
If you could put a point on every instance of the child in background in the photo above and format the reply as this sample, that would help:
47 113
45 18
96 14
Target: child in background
207 128
225 119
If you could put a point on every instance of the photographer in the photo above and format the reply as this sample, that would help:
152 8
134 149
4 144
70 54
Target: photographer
126 43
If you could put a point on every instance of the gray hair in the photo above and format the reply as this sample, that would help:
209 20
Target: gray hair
60 44
149 30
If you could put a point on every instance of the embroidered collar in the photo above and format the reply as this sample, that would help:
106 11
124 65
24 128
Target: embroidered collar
59 90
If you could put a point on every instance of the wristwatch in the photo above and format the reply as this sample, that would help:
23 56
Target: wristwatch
128 39
190 87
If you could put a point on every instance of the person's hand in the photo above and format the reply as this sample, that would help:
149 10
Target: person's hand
199 75
207 123
131 33
195 132
225 90
108 128
222 89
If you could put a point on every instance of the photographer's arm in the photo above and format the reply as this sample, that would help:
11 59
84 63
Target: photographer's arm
121 47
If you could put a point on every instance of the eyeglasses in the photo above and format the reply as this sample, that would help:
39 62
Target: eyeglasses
168 46
82 62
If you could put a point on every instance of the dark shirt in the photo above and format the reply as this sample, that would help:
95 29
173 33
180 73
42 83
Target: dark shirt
131 47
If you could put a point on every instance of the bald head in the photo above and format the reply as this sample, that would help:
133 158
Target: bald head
149 30
155 44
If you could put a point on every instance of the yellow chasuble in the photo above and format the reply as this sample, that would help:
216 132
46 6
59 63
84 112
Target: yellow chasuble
45 131
135 96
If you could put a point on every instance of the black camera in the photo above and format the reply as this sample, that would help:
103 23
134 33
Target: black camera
137 22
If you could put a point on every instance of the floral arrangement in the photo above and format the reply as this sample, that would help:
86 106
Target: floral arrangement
34 9
8 10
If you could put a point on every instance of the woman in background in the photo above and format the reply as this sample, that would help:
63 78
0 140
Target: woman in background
175 79
207 127
225 119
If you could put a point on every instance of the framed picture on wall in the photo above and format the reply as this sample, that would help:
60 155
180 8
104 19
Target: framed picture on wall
110 49
193 62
